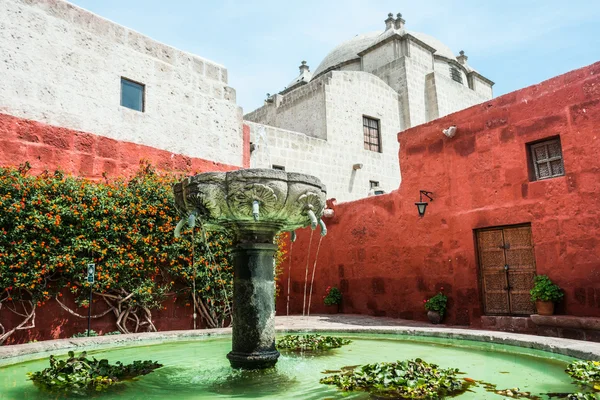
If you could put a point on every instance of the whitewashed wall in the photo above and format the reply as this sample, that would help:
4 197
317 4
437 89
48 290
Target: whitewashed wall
349 95
63 65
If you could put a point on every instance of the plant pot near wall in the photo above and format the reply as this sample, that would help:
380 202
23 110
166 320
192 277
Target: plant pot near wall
434 317
332 309
544 307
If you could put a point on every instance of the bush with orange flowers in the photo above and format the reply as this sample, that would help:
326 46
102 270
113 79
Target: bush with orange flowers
52 226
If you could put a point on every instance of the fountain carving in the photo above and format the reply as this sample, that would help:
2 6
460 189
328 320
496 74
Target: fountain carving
254 204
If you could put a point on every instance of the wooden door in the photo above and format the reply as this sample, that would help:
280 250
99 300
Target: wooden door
507 269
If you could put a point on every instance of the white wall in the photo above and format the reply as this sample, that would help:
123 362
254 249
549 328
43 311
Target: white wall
302 110
62 65
349 95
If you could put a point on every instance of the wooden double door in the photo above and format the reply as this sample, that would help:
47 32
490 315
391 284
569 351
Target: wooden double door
506 269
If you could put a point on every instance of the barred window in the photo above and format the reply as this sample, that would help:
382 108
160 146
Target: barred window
456 75
546 158
371 134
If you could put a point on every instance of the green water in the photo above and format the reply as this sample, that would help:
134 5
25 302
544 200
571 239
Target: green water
199 370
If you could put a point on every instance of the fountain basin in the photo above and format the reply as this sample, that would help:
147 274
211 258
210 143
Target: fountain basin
196 369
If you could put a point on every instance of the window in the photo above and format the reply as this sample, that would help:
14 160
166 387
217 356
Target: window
456 75
132 95
546 158
374 184
371 134
279 167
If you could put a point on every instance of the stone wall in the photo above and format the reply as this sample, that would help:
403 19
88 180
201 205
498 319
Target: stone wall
63 65
449 96
387 260
302 110
348 96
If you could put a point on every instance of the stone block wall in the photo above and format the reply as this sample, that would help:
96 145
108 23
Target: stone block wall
448 96
302 110
386 260
348 96
63 65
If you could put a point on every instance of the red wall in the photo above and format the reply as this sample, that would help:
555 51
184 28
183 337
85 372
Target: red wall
90 156
387 260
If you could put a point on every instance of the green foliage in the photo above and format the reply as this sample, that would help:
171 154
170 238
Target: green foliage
332 296
84 334
82 376
408 379
582 396
52 226
311 342
585 372
545 290
94 333
437 303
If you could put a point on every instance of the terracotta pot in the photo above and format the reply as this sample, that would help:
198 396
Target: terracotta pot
332 309
434 317
544 307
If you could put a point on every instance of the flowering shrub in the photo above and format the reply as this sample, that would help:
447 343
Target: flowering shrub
52 226
332 296
437 303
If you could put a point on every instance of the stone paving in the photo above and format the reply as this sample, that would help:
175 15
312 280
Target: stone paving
330 323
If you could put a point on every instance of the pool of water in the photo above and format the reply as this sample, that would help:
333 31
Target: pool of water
198 369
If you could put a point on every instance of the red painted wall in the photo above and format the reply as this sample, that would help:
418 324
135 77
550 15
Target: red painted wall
90 156
387 260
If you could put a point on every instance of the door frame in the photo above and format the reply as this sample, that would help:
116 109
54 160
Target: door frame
479 267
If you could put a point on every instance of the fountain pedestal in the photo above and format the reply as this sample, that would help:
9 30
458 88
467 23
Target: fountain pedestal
255 205
254 307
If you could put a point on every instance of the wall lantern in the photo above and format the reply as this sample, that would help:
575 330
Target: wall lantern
422 205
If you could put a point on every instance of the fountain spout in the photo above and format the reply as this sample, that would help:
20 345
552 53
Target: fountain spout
313 219
190 221
255 210
323 227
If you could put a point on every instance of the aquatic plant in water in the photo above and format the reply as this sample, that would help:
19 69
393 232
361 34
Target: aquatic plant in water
81 375
310 342
408 379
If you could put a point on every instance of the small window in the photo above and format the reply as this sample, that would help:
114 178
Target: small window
373 184
546 159
456 75
371 134
279 167
132 95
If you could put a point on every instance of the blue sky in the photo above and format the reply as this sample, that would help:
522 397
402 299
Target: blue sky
515 43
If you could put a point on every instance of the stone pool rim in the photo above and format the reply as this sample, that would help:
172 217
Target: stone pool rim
15 354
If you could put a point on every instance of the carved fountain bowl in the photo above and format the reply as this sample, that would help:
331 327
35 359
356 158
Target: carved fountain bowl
223 199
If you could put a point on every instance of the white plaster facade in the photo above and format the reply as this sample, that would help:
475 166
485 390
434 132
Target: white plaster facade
62 65
399 77
331 157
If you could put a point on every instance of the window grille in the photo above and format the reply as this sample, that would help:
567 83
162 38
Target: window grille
132 94
546 158
372 138
456 75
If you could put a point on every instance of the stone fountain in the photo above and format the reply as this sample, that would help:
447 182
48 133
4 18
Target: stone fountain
254 204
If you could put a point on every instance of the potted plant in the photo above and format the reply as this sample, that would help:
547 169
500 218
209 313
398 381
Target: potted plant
545 294
436 307
332 299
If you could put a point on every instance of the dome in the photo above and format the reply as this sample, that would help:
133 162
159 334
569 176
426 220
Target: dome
349 50
346 51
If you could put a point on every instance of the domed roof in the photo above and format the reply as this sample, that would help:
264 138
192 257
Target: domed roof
346 51
349 49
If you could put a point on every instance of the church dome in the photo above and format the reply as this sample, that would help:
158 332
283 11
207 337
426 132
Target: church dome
349 49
